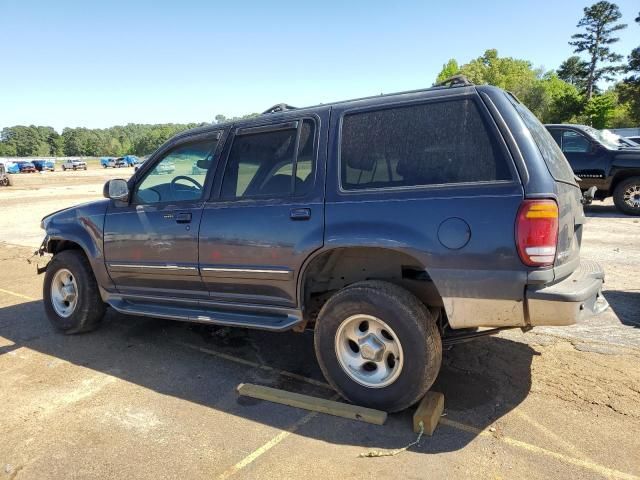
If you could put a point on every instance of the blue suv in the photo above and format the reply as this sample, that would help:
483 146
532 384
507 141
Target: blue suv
392 225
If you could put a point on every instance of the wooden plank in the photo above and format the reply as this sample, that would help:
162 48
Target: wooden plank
428 412
315 404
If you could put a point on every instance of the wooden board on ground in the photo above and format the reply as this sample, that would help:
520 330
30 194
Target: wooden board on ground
315 404
428 412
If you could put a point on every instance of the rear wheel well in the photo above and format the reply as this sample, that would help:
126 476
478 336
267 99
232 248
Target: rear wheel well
333 270
620 177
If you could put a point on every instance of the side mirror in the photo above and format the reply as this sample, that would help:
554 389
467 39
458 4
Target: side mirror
116 189
203 164
595 147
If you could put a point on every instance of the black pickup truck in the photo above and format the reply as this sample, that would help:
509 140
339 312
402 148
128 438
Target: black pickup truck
599 160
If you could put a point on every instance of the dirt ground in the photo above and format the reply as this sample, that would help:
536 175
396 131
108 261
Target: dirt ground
146 398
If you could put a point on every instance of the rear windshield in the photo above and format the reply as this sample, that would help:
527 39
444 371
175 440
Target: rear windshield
554 158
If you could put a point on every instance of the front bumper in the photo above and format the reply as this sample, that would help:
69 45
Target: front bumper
569 300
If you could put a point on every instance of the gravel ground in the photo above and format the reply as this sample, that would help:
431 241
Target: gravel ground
146 398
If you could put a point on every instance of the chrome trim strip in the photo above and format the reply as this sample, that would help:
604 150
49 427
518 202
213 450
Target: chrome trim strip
245 270
154 267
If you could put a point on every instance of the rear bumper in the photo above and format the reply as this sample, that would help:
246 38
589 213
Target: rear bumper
565 302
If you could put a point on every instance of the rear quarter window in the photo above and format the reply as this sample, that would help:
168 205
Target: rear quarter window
551 153
428 144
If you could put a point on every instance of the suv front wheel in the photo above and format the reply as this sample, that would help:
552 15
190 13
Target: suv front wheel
626 196
378 345
71 298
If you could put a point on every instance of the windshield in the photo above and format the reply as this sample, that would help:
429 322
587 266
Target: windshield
605 137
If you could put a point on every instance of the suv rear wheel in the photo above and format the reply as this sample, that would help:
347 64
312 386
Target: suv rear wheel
378 345
626 196
71 298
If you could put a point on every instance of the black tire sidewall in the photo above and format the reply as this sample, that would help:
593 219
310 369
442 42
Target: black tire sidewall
618 196
409 327
85 310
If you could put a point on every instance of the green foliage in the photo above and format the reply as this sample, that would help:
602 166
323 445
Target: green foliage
600 110
549 97
449 69
555 101
599 23
575 71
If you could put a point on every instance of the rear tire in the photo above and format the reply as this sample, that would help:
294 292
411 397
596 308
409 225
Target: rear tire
626 196
74 309
399 363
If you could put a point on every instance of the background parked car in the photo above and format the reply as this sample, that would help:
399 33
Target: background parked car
131 160
164 168
112 162
44 165
600 161
74 165
4 178
26 167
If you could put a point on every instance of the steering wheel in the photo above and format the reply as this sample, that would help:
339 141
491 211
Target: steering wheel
173 184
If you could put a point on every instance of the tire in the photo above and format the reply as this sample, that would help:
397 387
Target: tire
64 169
104 166
630 187
412 327
89 308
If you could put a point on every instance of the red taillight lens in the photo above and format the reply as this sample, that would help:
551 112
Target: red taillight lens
537 232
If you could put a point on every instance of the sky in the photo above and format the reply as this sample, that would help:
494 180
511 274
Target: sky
96 64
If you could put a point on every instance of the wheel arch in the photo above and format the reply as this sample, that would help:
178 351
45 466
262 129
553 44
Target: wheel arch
330 269
620 176
56 244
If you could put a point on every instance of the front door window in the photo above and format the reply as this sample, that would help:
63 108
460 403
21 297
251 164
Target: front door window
179 176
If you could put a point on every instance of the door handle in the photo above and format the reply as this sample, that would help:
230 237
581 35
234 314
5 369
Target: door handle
184 217
300 214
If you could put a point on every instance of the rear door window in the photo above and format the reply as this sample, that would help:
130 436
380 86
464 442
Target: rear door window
267 164
434 143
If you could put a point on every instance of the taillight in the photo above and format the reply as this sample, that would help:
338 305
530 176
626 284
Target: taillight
537 232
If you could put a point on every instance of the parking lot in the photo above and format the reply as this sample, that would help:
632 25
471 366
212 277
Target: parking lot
147 398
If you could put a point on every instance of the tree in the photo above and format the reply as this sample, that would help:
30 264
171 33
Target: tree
599 22
600 110
575 71
449 69
549 97
556 101
629 89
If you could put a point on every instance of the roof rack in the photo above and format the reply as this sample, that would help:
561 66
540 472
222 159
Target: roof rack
455 81
280 107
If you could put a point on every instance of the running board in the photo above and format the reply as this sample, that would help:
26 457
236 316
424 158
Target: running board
275 322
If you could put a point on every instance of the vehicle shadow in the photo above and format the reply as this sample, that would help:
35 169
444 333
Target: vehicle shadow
604 210
481 380
626 305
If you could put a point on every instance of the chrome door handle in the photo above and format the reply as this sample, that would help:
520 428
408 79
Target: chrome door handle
300 214
184 217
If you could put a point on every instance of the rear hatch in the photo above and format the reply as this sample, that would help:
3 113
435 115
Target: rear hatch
569 197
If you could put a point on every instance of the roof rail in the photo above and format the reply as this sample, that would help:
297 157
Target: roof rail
280 107
455 81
